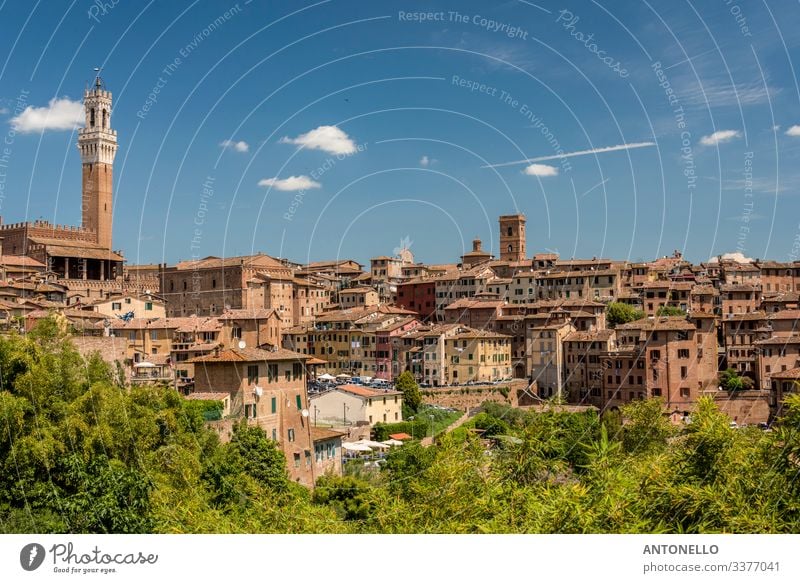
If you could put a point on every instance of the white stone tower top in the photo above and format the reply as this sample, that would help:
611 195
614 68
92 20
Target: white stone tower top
97 142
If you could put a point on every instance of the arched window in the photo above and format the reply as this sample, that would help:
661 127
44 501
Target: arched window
510 248
510 231
105 118
91 117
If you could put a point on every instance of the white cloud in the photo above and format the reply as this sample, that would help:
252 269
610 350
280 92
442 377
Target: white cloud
737 257
329 139
631 146
541 170
290 184
427 161
60 114
720 137
793 131
236 146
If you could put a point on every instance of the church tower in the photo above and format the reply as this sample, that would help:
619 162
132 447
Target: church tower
512 238
97 143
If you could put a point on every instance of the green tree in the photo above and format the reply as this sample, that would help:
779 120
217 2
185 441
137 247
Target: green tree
730 380
670 311
407 385
646 426
620 313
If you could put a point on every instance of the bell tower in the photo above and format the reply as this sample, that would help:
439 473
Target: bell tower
97 143
512 237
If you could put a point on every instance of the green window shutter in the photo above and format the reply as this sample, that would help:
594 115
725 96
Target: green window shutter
299 402
274 405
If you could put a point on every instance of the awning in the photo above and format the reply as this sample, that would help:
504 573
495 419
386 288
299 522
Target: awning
326 377
371 444
393 442
356 447
144 364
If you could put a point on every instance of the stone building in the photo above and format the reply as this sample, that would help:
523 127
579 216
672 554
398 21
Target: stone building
209 286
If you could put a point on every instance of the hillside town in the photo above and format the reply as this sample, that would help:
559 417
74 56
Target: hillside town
310 352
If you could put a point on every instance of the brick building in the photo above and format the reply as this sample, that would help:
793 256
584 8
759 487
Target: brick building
267 388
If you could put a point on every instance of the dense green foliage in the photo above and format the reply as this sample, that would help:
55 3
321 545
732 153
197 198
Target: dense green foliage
407 384
730 380
426 422
80 453
670 311
619 313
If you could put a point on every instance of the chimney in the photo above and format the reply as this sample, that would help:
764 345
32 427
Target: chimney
476 244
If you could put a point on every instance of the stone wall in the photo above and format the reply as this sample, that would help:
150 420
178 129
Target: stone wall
465 398
744 407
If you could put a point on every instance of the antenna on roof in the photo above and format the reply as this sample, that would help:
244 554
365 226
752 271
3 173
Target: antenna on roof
242 344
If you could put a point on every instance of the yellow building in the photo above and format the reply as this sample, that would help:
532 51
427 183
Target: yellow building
141 305
477 355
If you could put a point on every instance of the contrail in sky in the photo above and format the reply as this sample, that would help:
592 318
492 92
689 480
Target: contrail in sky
572 154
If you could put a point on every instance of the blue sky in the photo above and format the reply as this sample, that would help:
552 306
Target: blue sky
341 128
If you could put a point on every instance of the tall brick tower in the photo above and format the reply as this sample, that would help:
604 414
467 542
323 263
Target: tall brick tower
97 143
512 238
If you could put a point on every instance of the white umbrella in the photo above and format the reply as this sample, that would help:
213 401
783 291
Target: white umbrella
343 376
326 377
371 444
356 447
393 442
144 364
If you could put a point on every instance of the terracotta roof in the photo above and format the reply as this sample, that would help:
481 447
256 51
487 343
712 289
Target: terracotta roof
365 392
784 315
259 260
779 341
704 289
672 285
601 335
356 290
20 261
83 252
791 374
248 314
739 287
400 436
662 323
744 317
701 314
321 434
466 332
250 355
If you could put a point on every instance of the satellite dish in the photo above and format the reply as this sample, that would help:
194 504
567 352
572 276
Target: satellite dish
258 391
304 412
242 344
